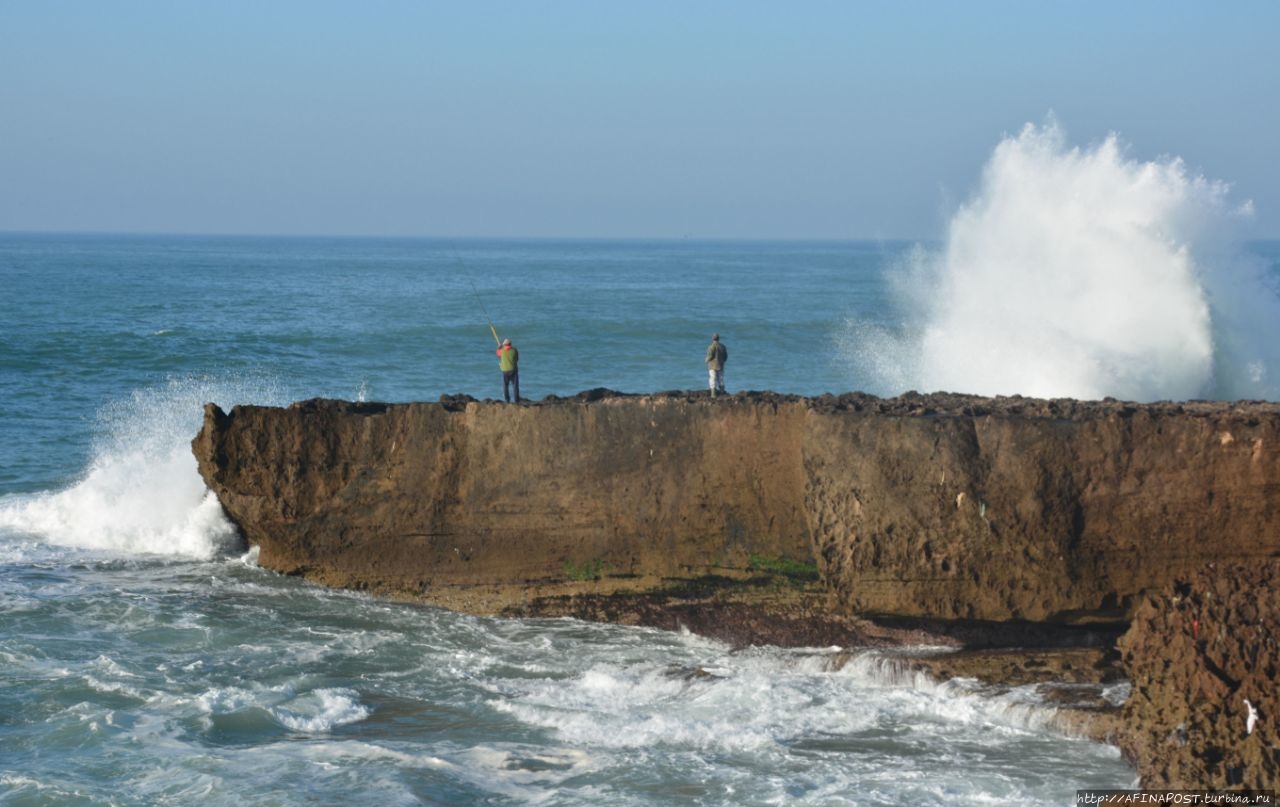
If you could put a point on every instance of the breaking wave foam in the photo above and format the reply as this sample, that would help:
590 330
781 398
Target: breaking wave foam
1083 273
142 493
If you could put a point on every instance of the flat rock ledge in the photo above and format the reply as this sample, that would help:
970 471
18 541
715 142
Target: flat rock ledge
1084 548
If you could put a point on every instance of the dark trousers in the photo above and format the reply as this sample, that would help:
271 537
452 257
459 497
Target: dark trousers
510 378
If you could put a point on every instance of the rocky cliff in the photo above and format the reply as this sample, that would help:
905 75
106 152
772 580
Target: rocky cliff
938 507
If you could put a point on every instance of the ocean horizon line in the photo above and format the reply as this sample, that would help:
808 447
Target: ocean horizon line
551 239
931 242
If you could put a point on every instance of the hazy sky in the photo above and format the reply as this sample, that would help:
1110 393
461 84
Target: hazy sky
602 119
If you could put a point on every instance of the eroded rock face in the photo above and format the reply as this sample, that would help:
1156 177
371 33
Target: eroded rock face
1042 510
1194 655
418 498
942 506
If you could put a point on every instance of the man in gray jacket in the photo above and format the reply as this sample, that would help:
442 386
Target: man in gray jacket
717 355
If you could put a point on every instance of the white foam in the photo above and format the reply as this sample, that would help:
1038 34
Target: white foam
327 753
1083 273
321 710
250 557
113 687
317 711
131 505
226 700
142 493
762 702
19 789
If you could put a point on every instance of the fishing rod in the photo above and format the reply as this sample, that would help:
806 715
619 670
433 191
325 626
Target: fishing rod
492 329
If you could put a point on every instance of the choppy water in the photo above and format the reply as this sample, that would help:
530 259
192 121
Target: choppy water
148 661
143 681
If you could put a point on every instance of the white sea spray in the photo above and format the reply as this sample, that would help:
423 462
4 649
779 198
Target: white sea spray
142 493
1084 273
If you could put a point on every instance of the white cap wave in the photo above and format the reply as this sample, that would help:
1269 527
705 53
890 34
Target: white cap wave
1083 273
142 493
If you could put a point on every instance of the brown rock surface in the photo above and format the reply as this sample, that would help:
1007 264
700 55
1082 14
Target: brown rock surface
942 506
421 498
1194 655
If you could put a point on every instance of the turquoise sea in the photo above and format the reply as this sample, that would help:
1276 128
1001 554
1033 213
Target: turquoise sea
147 660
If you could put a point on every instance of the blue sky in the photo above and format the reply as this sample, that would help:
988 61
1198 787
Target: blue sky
600 119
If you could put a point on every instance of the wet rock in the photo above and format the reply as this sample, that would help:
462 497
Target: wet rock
1195 654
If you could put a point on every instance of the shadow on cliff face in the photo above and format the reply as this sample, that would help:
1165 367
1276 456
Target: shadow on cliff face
978 634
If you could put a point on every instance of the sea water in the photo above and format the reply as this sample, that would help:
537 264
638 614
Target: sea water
147 659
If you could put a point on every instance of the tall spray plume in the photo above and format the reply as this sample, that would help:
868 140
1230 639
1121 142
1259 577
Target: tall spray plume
1086 274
